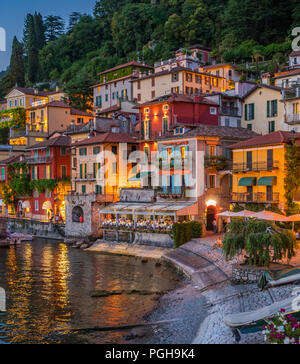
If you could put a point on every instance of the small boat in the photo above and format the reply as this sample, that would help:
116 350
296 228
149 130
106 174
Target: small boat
21 237
250 322
273 279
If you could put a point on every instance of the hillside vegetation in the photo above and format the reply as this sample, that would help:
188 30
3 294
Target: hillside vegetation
122 30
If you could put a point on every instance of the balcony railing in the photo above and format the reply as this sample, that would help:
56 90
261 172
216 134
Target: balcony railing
230 112
255 166
85 177
40 160
293 119
259 197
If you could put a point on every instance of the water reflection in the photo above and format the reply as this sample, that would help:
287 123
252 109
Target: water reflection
48 289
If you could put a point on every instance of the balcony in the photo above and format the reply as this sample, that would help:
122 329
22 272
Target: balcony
259 197
230 111
255 166
86 177
39 160
293 119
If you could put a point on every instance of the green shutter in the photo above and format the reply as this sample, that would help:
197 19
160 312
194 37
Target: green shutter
275 108
80 171
143 129
252 111
268 109
246 112
94 168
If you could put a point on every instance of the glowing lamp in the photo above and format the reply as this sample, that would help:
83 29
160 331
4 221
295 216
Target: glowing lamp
211 203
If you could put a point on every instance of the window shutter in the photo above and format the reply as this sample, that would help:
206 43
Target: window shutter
275 108
268 109
252 113
246 112
94 168
80 171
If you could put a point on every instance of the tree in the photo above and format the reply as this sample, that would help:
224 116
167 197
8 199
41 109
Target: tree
17 68
55 27
74 19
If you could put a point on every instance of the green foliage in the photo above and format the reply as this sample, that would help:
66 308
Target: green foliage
18 184
292 179
17 118
183 232
43 185
260 240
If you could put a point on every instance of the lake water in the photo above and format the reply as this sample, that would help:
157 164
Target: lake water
48 284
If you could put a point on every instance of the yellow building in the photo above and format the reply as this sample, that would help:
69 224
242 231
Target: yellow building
178 80
225 70
262 110
259 169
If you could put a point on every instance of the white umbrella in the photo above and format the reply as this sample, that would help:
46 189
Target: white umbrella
226 214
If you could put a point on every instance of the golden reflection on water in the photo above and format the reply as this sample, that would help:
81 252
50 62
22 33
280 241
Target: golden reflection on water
48 288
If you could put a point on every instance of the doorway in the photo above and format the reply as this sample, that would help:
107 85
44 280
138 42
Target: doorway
211 216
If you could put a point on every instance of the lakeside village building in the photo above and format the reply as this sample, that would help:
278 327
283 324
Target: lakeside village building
175 142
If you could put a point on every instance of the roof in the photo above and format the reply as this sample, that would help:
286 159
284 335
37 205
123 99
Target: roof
179 98
110 109
133 63
63 105
174 70
3 101
35 92
200 46
107 138
287 74
295 54
224 132
60 141
10 160
219 65
261 85
278 137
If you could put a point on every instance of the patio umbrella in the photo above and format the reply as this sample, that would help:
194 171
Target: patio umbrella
244 213
270 216
226 214
293 219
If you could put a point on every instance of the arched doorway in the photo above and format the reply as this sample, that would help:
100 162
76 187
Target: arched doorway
211 215
77 214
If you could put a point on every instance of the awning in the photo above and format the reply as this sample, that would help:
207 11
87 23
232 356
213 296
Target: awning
26 205
47 205
247 181
150 209
266 181
139 176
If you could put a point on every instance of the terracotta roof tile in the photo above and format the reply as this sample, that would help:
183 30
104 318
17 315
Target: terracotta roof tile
60 141
279 137
107 138
133 63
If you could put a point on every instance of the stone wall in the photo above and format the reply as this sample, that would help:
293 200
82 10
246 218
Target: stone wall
244 274
77 229
39 229
157 240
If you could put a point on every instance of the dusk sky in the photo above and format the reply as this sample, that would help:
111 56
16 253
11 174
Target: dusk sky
13 13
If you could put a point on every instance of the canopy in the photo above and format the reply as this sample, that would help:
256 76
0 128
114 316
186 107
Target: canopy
47 205
26 205
270 216
294 218
226 214
244 213
150 209
266 181
247 181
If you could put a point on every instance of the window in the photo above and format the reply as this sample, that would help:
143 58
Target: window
272 108
213 110
296 109
249 111
16 102
106 97
79 120
139 85
239 123
48 194
165 124
83 189
48 172
96 150
271 126
212 150
175 77
83 169
212 181
99 101
83 151
153 94
36 194
96 170
175 90
98 190
189 77
227 122
63 151
153 82
32 117
249 126
36 205
114 168
63 172
198 79
114 149
139 97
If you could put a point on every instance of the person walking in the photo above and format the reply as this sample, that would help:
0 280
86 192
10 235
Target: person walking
214 224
